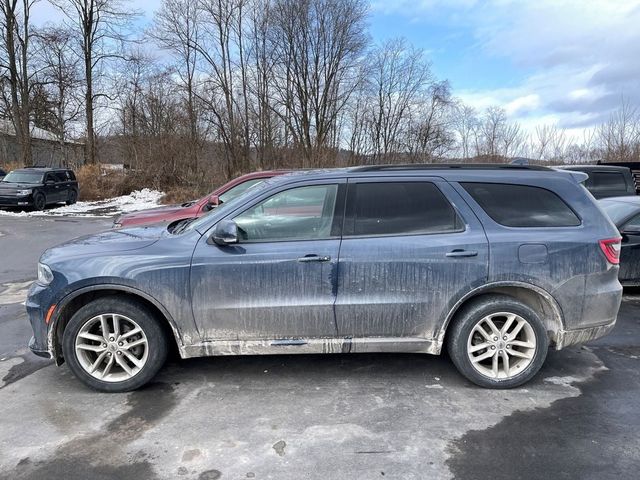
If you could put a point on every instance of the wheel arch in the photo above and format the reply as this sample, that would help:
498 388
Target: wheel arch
71 303
531 295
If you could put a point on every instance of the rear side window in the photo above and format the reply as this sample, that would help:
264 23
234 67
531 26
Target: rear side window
608 182
395 208
522 205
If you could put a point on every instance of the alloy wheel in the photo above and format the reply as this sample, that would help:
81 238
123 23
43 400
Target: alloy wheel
112 347
501 345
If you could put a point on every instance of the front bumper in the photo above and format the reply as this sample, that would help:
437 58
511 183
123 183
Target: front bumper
39 299
564 338
15 201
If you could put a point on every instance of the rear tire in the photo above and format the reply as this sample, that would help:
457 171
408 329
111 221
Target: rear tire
497 342
72 197
39 201
114 344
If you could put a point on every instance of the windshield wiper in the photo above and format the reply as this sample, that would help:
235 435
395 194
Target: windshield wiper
181 225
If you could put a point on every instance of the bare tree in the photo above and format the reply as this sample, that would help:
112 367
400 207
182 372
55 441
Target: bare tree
98 26
17 71
619 137
398 76
465 124
177 29
61 75
317 44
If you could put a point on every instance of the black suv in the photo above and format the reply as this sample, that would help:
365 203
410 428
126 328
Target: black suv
38 187
2 174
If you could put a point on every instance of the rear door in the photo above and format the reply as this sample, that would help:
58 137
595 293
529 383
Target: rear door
411 247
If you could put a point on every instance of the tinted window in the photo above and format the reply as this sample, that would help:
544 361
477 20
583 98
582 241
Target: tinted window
302 213
400 208
608 182
60 176
72 176
522 205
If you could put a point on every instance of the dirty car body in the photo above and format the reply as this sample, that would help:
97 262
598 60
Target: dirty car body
365 259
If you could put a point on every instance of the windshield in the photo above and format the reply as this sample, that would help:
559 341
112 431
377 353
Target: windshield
23 177
618 211
239 189
226 206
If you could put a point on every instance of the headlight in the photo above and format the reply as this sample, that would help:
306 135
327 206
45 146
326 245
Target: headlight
24 192
45 277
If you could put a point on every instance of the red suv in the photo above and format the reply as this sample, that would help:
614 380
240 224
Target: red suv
196 208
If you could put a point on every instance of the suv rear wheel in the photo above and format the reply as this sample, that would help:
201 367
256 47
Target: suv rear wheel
72 197
498 342
114 345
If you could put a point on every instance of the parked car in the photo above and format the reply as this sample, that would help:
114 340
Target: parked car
2 174
493 263
625 213
633 166
606 180
38 187
196 208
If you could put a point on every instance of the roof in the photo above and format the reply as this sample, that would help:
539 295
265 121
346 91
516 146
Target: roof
447 166
40 169
7 128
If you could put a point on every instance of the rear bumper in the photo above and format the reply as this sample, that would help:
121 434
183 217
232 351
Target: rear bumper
564 338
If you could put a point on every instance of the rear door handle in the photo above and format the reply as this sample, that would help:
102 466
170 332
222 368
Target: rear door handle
314 258
462 253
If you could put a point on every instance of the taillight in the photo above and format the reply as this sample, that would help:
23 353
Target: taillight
611 249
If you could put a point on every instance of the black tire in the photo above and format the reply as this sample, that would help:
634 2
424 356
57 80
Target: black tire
39 201
464 323
72 197
156 339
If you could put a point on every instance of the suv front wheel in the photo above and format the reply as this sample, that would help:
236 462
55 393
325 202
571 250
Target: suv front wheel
498 342
114 344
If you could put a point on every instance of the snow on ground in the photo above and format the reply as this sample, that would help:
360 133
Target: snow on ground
136 200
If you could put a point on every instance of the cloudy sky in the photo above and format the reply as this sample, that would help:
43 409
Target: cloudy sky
568 62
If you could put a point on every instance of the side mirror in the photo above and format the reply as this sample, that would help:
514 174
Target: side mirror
225 233
212 202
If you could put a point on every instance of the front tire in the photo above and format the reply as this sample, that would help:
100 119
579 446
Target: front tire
497 342
114 344
39 201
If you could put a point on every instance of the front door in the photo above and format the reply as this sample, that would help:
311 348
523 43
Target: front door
411 247
278 282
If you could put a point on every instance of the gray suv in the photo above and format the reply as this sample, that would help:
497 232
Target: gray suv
493 263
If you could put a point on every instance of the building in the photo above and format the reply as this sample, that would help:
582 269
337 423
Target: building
46 148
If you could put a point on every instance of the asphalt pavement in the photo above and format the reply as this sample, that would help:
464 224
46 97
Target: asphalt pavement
358 416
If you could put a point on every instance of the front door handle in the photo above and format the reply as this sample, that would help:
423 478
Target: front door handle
314 258
462 253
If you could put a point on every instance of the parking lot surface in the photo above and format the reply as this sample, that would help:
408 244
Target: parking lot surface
358 416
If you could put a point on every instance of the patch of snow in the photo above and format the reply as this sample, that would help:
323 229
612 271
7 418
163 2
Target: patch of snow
14 292
136 200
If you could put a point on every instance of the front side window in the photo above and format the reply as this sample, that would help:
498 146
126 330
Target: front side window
303 213
397 208
522 205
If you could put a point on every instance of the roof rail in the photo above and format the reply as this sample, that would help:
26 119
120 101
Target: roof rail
441 166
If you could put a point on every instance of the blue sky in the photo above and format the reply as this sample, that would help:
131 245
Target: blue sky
567 62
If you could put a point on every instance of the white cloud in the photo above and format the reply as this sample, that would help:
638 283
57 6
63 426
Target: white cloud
581 56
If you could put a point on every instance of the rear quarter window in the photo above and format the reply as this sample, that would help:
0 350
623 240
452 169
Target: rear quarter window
522 205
